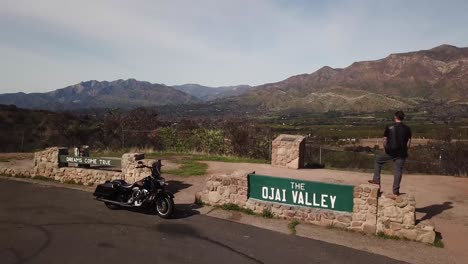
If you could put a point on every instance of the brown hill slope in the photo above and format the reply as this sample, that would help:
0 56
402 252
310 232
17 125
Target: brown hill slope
94 94
397 81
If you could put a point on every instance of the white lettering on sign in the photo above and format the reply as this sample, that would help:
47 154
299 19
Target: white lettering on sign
299 186
332 199
299 197
74 159
315 201
323 201
90 161
274 194
104 162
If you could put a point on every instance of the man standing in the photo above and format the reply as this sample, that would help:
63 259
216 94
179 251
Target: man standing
397 140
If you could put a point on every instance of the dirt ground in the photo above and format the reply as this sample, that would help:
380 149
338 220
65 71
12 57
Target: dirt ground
442 199
371 142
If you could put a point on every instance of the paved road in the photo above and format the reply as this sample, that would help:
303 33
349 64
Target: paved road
41 224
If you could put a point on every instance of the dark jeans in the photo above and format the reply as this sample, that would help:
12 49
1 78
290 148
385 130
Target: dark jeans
380 160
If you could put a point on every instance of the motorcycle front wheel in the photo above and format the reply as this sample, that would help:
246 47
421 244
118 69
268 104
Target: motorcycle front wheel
164 206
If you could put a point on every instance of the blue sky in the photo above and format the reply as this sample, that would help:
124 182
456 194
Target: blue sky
50 44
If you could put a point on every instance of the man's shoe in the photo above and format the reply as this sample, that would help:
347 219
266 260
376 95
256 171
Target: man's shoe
397 194
373 182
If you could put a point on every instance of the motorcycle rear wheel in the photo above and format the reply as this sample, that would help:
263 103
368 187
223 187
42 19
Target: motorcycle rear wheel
165 206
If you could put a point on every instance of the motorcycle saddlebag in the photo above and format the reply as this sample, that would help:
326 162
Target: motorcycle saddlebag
106 190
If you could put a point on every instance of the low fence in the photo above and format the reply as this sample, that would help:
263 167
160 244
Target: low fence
448 160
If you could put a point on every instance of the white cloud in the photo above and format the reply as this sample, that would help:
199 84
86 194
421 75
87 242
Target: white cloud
208 42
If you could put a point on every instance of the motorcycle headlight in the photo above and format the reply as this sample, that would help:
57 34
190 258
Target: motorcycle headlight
162 181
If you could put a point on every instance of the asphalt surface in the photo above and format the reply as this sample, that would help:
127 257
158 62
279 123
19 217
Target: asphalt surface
43 224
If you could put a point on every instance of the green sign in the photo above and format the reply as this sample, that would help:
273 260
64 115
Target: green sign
90 160
301 193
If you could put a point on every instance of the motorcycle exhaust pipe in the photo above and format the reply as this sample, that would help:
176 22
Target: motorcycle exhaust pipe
115 202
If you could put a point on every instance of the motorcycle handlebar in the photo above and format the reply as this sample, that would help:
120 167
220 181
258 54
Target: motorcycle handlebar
153 169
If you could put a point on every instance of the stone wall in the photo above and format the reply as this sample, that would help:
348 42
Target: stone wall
396 217
233 188
46 164
371 214
288 151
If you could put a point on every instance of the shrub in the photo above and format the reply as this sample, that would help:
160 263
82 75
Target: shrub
266 213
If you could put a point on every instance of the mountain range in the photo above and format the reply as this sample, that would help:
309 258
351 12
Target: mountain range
403 81
206 93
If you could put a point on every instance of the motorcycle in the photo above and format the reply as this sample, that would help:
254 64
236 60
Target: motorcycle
148 193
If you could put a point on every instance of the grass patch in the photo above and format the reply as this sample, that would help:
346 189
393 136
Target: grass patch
204 157
199 202
72 182
438 242
42 178
189 168
235 207
20 176
229 159
5 160
266 213
107 153
292 226
385 236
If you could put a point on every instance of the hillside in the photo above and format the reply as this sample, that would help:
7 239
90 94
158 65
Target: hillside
413 80
25 129
206 93
94 94
398 81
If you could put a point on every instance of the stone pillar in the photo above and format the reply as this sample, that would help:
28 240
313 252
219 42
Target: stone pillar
130 172
47 161
396 217
288 151
364 217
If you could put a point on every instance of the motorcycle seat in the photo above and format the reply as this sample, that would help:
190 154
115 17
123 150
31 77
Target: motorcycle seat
127 185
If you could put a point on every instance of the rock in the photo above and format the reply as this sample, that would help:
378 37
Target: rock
326 222
328 215
369 229
359 217
410 234
214 197
426 237
344 219
395 226
340 225
356 223
289 213
408 219
374 193
391 212
372 201
402 204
